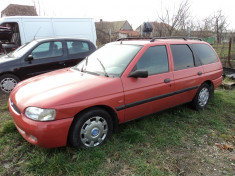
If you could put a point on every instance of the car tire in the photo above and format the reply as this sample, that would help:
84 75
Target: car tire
91 128
202 97
8 82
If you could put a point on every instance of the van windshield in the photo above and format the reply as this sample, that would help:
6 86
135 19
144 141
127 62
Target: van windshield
23 49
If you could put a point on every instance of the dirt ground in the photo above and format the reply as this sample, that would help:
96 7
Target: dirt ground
3 100
202 159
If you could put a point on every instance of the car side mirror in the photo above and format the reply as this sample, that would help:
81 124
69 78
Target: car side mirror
139 74
29 58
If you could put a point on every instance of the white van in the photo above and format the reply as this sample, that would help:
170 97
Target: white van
27 28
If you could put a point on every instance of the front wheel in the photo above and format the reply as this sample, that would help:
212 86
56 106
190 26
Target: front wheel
202 97
92 128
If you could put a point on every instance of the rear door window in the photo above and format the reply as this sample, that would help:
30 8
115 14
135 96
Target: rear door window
204 53
182 57
76 47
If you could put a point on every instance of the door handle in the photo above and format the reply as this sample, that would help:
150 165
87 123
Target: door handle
199 73
167 80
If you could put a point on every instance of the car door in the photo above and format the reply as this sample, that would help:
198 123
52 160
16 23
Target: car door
144 96
45 57
77 50
188 73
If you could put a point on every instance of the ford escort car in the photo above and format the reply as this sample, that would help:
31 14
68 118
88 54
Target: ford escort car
122 81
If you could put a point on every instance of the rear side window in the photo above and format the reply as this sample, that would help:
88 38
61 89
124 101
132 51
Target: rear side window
76 47
154 60
182 56
204 53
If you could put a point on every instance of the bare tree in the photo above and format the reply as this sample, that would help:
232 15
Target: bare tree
204 28
37 5
215 24
177 20
220 25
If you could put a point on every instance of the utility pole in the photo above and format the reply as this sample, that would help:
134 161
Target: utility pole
110 33
188 32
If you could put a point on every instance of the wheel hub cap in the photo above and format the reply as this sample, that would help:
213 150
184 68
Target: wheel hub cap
203 97
94 131
8 84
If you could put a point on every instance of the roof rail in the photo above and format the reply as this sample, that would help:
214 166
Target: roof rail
133 38
175 37
194 38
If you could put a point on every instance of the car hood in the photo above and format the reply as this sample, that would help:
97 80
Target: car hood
6 58
63 87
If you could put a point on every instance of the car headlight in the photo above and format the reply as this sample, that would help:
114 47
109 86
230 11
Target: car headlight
40 114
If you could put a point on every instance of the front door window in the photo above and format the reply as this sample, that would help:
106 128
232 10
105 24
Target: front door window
48 49
154 60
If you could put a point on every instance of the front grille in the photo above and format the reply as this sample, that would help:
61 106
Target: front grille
14 107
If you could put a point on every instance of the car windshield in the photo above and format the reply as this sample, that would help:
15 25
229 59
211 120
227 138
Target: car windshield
110 60
23 49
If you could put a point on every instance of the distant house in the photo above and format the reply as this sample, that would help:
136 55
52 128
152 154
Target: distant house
110 31
19 10
158 30
125 34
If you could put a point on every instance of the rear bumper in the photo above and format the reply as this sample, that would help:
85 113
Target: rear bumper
44 134
217 82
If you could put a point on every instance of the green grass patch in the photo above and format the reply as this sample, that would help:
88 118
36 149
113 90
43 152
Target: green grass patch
8 127
3 107
141 147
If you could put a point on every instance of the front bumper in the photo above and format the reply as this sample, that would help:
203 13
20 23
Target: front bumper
44 134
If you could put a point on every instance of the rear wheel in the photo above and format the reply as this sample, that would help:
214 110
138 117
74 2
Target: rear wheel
202 97
92 128
8 82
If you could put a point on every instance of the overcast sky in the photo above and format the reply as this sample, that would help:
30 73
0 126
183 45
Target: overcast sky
135 11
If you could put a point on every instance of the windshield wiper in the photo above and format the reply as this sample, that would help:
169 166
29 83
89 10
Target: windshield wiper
75 68
105 73
86 61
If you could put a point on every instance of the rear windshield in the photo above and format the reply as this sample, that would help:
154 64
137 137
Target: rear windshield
204 53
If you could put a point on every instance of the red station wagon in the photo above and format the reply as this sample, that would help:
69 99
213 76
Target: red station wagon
122 81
